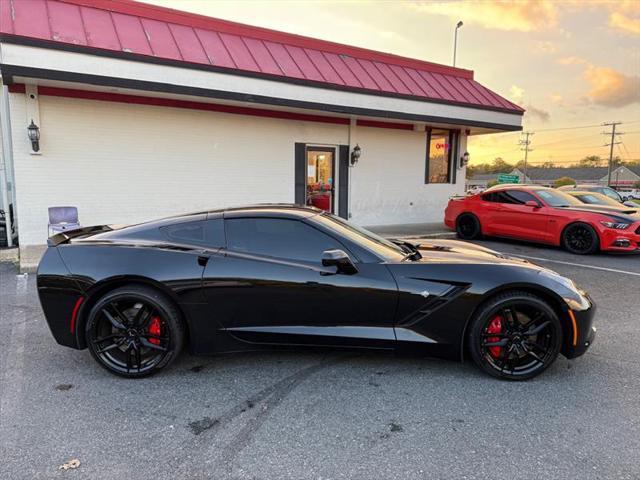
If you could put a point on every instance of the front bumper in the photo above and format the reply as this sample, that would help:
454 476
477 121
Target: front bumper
627 240
582 331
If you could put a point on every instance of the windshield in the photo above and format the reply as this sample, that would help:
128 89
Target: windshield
556 198
597 199
369 240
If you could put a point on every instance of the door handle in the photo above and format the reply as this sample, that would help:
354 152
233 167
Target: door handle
202 260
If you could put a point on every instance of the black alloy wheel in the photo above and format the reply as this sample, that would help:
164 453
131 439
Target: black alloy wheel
515 336
580 238
468 226
134 331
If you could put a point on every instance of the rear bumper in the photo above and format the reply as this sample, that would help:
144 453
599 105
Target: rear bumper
584 333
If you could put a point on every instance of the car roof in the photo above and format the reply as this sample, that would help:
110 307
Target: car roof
516 186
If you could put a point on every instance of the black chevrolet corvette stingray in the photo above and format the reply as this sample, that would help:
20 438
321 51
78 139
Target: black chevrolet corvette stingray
282 275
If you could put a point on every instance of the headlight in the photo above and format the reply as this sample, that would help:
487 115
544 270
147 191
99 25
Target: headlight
616 225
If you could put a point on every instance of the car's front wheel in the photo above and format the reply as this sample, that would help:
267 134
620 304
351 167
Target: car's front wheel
468 226
580 238
134 331
515 336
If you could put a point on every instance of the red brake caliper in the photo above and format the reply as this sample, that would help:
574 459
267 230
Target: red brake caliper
154 329
495 326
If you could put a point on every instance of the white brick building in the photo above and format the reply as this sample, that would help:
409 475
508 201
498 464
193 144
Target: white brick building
145 112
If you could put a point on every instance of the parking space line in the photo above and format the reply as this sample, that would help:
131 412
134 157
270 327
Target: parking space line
614 270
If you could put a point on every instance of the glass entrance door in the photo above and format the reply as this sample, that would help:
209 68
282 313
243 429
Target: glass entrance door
320 185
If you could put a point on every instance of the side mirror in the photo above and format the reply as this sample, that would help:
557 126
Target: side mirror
340 260
532 204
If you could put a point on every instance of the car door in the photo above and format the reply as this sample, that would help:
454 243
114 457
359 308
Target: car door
269 286
516 219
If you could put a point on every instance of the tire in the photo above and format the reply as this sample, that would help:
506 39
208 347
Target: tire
519 354
468 227
134 331
580 239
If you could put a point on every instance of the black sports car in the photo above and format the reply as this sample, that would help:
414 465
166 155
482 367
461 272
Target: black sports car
283 275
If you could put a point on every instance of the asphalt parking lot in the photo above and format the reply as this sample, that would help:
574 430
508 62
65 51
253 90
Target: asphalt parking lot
326 415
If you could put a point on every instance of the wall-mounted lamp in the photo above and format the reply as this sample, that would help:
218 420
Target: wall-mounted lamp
464 159
33 131
355 154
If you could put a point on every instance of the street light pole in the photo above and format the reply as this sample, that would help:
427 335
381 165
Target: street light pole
455 41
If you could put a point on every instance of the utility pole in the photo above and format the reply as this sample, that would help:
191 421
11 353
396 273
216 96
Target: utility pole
611 144
525 147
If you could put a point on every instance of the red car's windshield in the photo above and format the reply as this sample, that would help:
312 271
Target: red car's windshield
556 198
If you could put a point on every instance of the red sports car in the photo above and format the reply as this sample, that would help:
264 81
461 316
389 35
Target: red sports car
544 215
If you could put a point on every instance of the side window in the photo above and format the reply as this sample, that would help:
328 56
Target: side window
520 197
208 233
489 197
611 194
502 197
277 237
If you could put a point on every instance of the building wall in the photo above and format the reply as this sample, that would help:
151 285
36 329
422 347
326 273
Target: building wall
387 185
122 163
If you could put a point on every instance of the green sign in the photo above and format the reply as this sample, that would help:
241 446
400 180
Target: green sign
504 178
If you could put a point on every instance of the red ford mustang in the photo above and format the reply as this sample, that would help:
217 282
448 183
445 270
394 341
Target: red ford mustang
544 215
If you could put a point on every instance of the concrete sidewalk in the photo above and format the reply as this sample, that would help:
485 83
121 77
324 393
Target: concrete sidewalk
423 230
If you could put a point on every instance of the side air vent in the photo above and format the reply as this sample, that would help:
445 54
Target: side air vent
431 305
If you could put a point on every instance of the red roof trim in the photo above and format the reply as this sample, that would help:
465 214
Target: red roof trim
208 23
210 107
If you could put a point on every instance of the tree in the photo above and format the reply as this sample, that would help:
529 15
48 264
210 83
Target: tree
563 181
636 185
500 166
591 161
548 165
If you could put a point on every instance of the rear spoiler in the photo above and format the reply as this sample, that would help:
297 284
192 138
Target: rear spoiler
64 237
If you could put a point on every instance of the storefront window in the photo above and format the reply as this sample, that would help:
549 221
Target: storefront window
439 148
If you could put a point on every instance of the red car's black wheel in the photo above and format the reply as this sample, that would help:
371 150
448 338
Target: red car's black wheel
468 226
580 238
134 331
515 336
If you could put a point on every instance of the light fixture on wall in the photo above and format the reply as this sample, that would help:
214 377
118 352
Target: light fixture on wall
464 159
33 132
355 154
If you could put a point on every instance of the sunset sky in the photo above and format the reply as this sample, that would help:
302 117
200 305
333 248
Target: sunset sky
569 63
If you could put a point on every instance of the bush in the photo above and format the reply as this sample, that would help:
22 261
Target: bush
492 183
636 185
564 181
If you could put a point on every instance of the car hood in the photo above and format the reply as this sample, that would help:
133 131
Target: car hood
456 251
626 213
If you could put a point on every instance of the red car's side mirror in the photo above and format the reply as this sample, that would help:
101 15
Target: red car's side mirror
533 204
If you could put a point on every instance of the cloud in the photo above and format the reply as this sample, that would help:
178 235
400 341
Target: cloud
516 94
620 21
521 16
571 61
611 88
538 113
543 47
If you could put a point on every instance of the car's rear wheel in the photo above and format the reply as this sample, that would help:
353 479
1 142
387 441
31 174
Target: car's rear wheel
134 331
468 226
515 336
580 238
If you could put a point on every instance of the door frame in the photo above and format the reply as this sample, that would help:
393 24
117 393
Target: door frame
340 200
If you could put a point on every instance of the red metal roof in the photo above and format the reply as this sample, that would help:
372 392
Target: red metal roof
147 30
